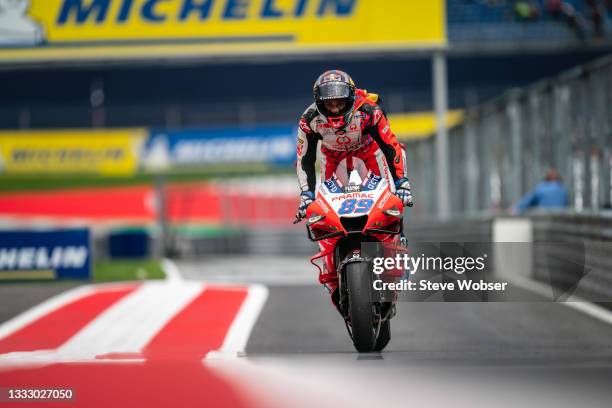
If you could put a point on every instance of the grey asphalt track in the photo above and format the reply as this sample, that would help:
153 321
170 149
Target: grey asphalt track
530 352
299 318
16 298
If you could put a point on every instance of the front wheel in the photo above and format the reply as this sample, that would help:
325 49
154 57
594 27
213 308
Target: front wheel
361 312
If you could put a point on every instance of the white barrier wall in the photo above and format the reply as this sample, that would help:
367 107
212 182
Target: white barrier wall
513 260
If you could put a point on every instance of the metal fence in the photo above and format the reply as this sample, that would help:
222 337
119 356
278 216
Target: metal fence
503 147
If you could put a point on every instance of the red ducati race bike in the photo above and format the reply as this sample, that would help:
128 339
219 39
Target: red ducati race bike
356 218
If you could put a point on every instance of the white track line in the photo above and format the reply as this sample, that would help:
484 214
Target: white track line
573 301
172 271
128 325
238 335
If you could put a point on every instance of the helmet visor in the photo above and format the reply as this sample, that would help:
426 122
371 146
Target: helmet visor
333 90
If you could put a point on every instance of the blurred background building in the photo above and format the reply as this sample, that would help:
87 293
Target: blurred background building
494 45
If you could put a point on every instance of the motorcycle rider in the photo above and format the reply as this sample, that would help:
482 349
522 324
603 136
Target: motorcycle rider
348 123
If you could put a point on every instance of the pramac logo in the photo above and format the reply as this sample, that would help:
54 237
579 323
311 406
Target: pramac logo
16 27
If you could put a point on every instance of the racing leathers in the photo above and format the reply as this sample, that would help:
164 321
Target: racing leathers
366 136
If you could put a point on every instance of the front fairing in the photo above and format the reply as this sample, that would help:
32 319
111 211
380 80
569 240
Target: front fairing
364 206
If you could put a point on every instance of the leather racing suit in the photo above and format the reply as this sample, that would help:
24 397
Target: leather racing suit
367 136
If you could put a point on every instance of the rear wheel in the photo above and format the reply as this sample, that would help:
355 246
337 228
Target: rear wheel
361 312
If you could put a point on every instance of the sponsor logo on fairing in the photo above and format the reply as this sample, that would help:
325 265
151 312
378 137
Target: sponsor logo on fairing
353 195
352 188
383 201
332 186
323 206
373 182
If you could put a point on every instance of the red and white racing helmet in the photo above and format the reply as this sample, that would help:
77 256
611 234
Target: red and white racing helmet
339 86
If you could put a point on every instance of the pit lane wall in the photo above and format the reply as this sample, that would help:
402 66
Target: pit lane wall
570 251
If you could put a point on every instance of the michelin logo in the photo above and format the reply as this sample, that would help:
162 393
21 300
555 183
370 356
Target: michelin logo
16 27
43 258
233 150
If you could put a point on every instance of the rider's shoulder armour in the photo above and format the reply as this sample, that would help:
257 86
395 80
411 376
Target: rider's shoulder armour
307 117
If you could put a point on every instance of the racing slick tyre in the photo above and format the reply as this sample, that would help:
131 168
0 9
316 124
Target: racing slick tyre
384 336
359 285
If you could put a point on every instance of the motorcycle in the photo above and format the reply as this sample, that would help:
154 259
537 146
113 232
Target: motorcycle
355 219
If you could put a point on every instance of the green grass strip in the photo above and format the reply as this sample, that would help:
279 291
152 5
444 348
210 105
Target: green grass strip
120 270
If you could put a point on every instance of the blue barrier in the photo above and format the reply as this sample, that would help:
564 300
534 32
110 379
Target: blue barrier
55 254
129 244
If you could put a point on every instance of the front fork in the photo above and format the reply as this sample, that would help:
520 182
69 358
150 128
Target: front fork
383 300
331 275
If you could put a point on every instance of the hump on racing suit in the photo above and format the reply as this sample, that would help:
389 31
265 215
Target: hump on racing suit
367 124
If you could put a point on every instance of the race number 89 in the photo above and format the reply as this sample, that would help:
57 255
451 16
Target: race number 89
352 205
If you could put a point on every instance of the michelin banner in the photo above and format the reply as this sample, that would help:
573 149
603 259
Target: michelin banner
57 254
274 145
101 152
34 30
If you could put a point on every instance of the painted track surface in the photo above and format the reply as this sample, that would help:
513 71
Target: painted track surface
298 354
126 344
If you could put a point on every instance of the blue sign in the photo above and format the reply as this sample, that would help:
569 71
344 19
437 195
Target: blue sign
60 254
270 144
